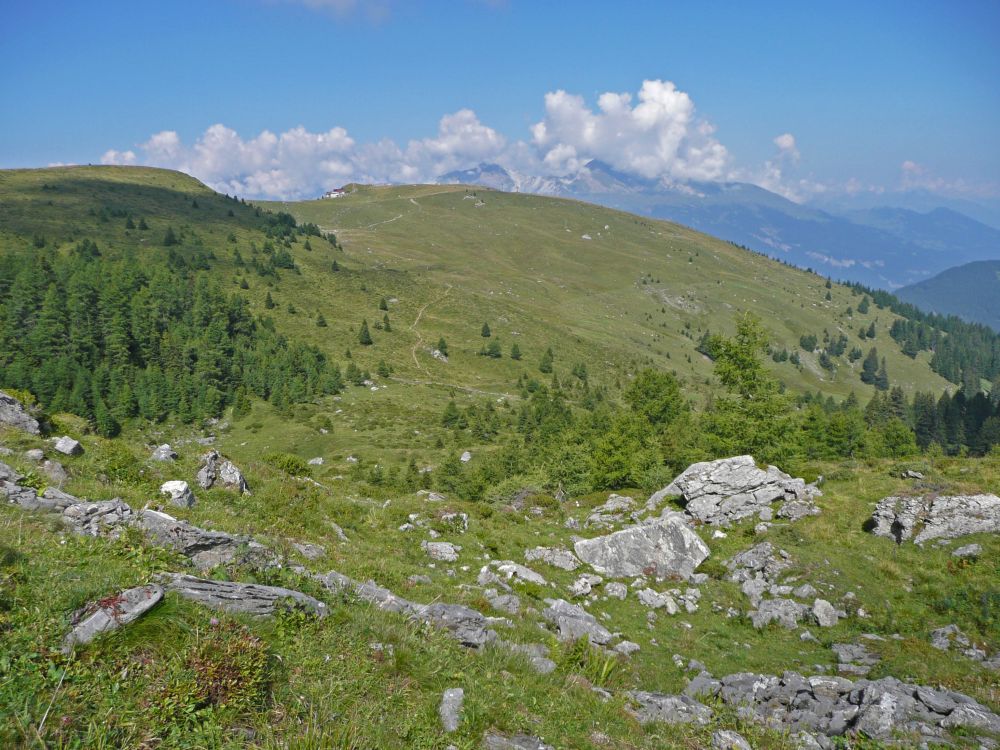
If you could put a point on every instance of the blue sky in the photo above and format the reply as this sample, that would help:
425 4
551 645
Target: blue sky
861 87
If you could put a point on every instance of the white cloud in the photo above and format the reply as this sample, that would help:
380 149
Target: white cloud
914 176
658 137
786 146
118 157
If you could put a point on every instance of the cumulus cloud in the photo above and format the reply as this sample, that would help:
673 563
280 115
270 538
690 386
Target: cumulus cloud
660 136
786 146
914 176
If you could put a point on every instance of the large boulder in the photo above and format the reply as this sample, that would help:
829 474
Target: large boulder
730 489
665 548
14 414
111 613
920 519
68 446
218 470
240 598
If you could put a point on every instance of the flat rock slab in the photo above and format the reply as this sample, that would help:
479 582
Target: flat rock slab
112 613
494 741
450 710
665 548
920 519
206 549
573 622
554 556
14 414
240 598
669 709
102 518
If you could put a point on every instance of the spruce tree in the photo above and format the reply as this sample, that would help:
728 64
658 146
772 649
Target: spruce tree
442 346
364 337
882 377
382 304
385 323
485 332
169 238
515 352
320 321
545 365
269 302
869 368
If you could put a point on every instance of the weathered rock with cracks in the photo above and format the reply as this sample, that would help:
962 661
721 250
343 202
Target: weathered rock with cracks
68 446
240 598
111 613
573 622
920 519
179 493
14 414
206 549
103 518
450 709
494 741
730 489
669 709
665 548
163 453
554 556
218 470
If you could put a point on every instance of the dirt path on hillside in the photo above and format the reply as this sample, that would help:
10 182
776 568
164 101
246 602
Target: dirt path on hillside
420 337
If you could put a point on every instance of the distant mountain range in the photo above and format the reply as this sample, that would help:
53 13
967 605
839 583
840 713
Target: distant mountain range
971 292
885 247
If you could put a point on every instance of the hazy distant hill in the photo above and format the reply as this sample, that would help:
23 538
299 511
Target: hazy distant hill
879 246
971 291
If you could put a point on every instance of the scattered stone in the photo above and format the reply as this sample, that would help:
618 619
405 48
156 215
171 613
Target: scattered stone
458 522
950 636
104 518
626 648
494 741
669 709
451 708
55 471
757 570
655 600
584 584
616 590
465 457
920 519
805 591
309 551
68 446
785 612
969 550
824 613
730 489
443 551
726 739
163 453
34 454
614 511
854 658
317 461
179 492
665 547
339 532
554 556
509 603
216 469
111 613
573 622
418 579
911 474
240 598
14 414
508 570
537 654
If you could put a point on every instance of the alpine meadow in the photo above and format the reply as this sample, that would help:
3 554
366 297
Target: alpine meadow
315 440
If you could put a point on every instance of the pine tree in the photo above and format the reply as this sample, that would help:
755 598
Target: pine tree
143 226
882 377
335 266
869 368
545 365
485 332
386 325
382 304
320 320
269 302
442 346
169 238
515 352
364 337
871 330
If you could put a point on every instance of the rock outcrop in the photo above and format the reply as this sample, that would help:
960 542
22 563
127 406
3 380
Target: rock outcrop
206 549
669 709
556 557
573 622
730 489
240 598
920 519
664 548
887 710
68 446
218 470
163 453
14 414
111 613
466 625
179 493
494 741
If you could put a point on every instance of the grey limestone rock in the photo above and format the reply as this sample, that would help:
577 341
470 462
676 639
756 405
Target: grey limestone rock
730 489
573 622
14 414
68 446
665 548
494 741
218 470
241 598
784 612
111 613
179 493
670 709
450 709
206 549
554 556
920 519
163 453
